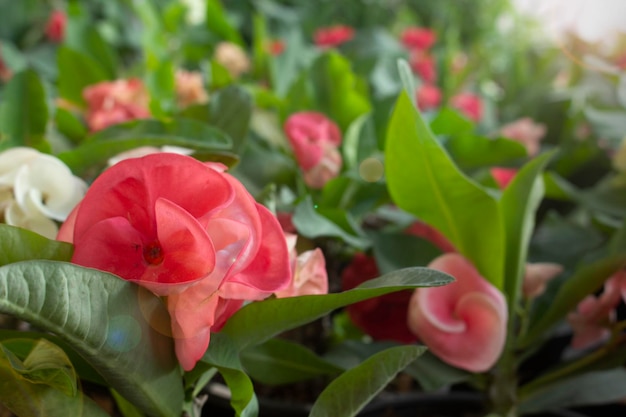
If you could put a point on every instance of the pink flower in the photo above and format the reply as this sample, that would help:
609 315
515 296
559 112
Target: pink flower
113 102
333 36
469 104
463 323
276 47
429 233
185 230
428 97
423 65
190 88
418 38
315 140
526 132
309 271
384 317
55 27
537 276
595 314
503 176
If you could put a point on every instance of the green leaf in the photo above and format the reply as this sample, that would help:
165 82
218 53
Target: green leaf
186 133
280 361
589 389
39 385
24 113
21 245
260 321
82 36
433 374
77 71
472 151
400 250
230 111
424 181
518 205
348 394
69 125
450 123
217 22
312 224
115 325
408 79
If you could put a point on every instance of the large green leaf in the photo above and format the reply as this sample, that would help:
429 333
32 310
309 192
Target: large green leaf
424 181
230 110
115 325
21 245
77 71
217 22
42 384
24 114
355 388
259 321
186 133
279 361
473 151
82 36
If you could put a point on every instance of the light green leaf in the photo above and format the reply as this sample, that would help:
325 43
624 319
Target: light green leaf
18 244
424 181
472 151
355 388
217 22
77 71
115 325
279 361
24 113
408 79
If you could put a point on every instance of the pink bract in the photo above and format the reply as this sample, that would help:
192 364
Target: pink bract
423 65
463 323
333 35
469 104
428 97
55 27
418 38
503 176
309 271
526 132
185 230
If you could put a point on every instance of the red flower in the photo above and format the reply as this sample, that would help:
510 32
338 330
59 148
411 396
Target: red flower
423 65
503 176
315 140
384 317
55 27
462 323
469 104
333 35
113 102
276 47
418 38
428 97
185 230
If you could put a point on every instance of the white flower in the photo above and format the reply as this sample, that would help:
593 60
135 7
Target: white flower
36 189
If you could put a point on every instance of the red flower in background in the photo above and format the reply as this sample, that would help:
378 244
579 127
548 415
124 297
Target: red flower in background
113 102
384 317
333 35
276 47
428 97
55 27
423 65
503 176
418 38
469 104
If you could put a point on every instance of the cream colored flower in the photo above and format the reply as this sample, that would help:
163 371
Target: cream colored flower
36 189
233 58
190 88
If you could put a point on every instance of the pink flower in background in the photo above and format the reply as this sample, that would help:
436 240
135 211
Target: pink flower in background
232 57
55 27
469 104
429 233
423 65
276 47
315 140
309 271
428 97
333 35
537 276
503 176
190 89
595 314
113 102
463 323
185 230
384 317
418 38
526 132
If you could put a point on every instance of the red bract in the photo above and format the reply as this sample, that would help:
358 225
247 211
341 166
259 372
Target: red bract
384 317
463 323
315 140
276 47
469 104
503 176
428 97
185 230
55 27
418 38
333 35
423 65
113 102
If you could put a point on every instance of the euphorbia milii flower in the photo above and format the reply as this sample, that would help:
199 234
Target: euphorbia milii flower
232 57
463 323
503 176
190 88
309 271
383 317
469 104
418 38
428 97
537 276
333 35
315 140
185 230
429 233
423 65
55 27
526 132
